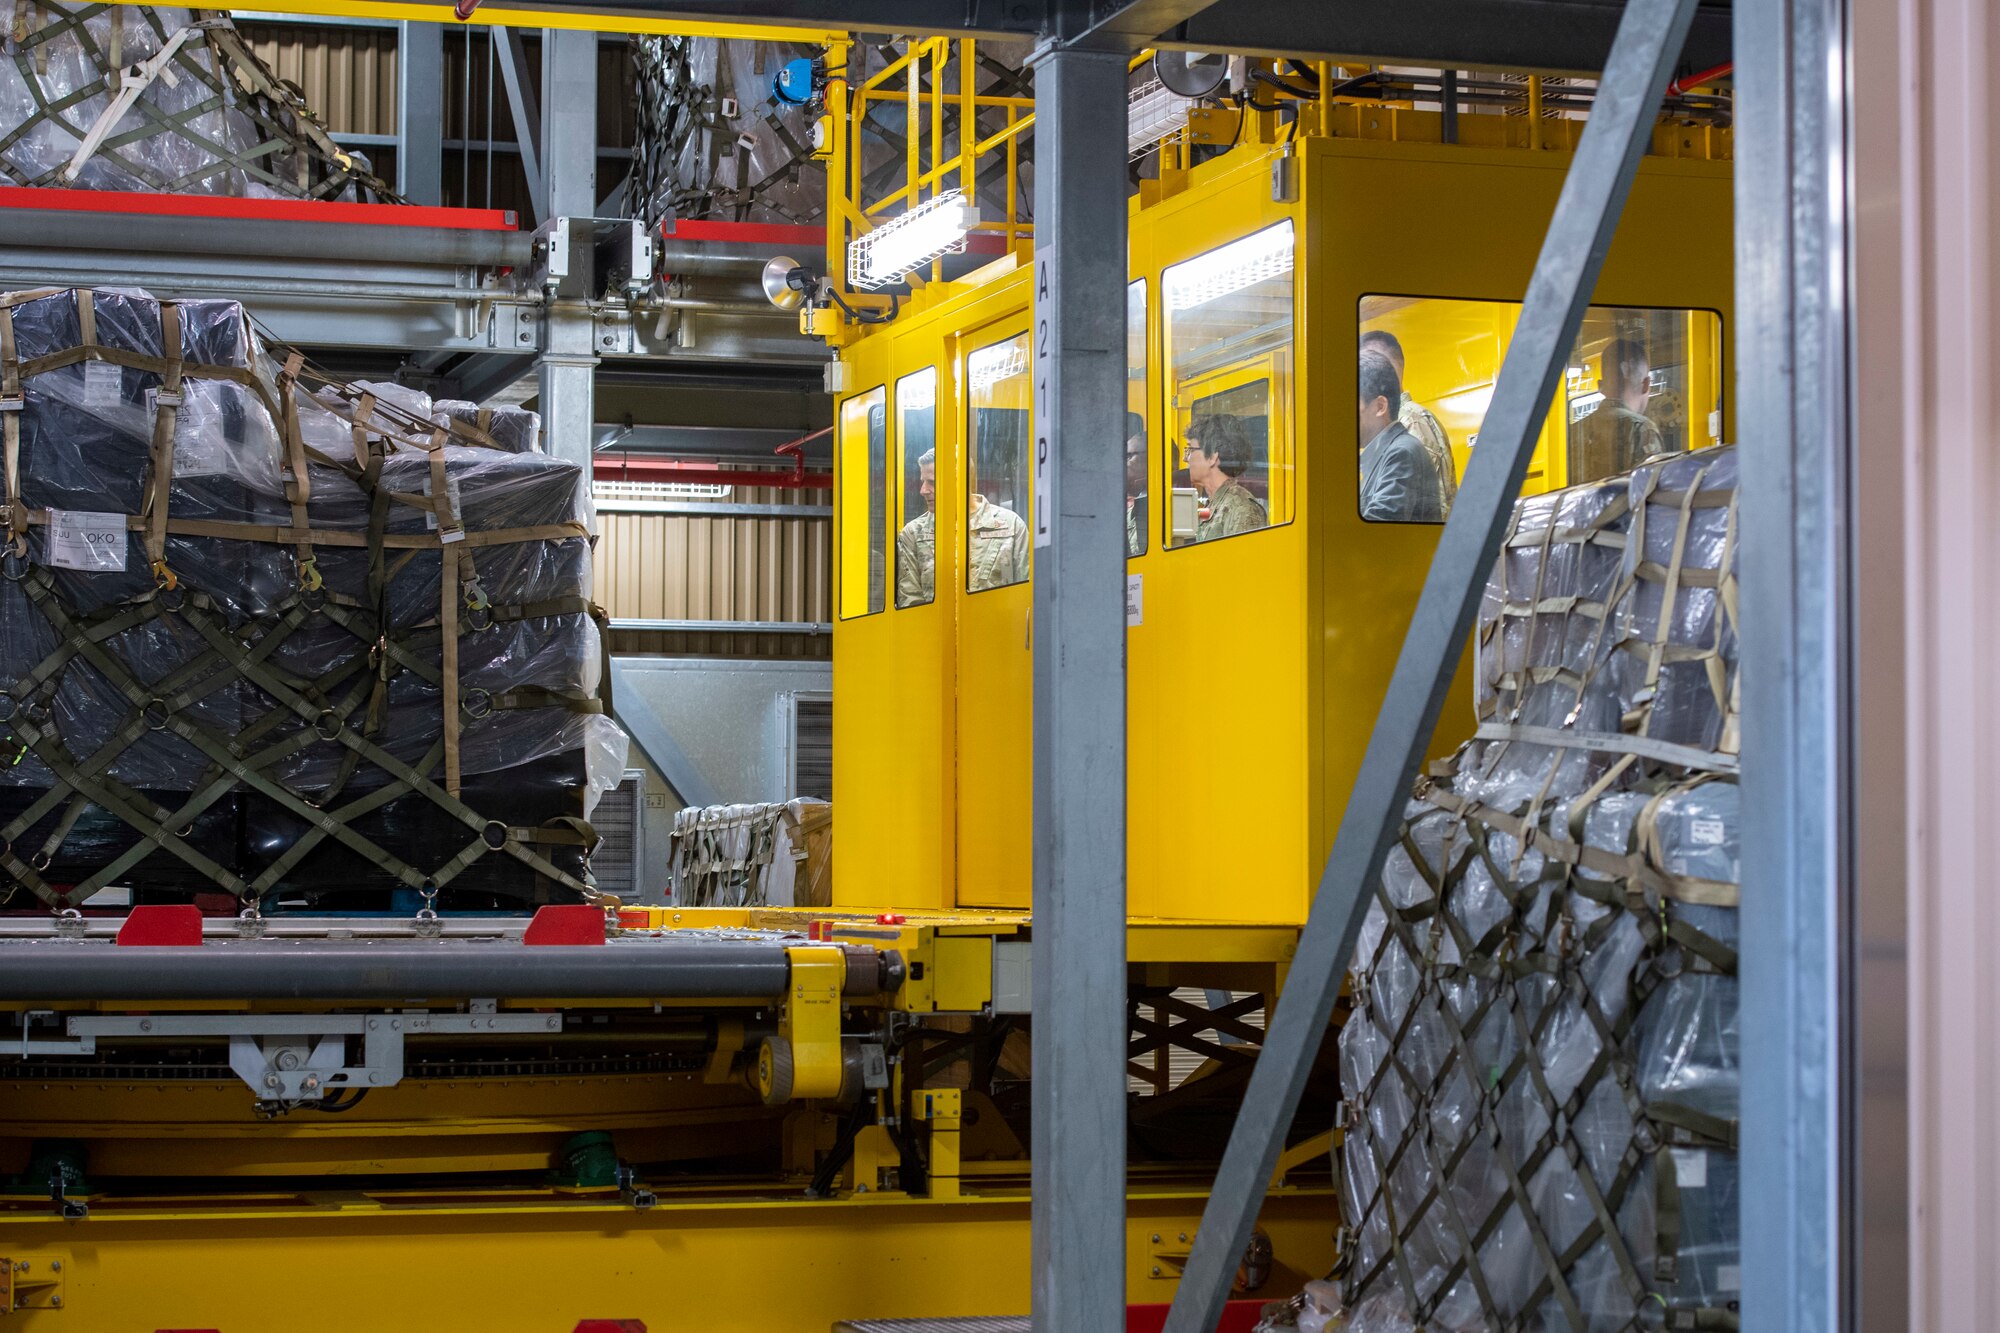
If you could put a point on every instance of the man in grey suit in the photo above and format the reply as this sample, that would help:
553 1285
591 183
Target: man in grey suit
1398 482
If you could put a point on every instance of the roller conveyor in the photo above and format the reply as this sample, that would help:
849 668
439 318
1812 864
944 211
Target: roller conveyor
358 960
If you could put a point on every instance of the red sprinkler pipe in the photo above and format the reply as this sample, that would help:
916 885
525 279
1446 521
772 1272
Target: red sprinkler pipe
463 9
1679 86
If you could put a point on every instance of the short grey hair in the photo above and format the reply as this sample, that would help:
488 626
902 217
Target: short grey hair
928 456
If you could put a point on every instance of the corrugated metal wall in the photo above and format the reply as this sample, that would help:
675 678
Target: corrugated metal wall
347 74
686 567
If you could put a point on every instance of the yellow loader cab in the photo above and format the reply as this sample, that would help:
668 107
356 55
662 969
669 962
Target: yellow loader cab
1257 660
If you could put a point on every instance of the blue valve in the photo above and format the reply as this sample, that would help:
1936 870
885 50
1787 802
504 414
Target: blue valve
794 84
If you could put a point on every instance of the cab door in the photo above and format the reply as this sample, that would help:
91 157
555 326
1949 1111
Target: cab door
995 653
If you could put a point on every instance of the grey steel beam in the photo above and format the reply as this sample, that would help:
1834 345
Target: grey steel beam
1120 25
1798 658
691 786
1572 255
483 375
420 112
1078 374
1558 36
512 58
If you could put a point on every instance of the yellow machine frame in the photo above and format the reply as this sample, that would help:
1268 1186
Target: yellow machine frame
1258 663
1255 672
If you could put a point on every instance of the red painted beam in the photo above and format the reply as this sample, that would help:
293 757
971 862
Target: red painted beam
628 468
142 204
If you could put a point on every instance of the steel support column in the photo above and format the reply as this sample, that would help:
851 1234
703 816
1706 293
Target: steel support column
420 112
1600 177
567 366
1796 654
1079 726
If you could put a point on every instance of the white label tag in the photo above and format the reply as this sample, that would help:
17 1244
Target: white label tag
451 485
197 452
1690 1168
1044 413
1135 599
1715 426
102 383
1707 832
1729 1277
94 542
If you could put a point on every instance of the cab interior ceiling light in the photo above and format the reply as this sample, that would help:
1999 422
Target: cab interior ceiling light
904 244
1240 264
989 365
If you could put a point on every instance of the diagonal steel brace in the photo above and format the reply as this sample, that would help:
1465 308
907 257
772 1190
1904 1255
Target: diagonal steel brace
1650 37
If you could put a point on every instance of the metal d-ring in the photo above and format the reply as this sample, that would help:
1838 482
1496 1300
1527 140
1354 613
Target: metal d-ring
494 835
14 565
42 860
9 706
476 702
328 726
156 714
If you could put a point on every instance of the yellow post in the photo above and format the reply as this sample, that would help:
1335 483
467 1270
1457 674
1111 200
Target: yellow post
1535 112
942 1109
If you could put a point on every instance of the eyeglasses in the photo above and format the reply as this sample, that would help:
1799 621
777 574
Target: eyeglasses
1189 449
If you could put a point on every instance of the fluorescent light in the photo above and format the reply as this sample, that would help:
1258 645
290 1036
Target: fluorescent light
652 497
1468 402
1152 112
989 365
1256 258
904 244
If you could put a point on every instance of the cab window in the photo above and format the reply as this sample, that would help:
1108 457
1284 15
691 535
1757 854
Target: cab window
1138 475
996 476
1229 348
1639 383
916 533
862 473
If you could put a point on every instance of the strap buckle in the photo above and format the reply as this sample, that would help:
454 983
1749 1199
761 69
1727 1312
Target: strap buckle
13 402
163 578
309 579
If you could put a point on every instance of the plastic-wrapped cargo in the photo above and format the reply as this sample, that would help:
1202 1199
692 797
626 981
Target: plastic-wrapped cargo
778 854
141 97
1540 1073
280 643
514 429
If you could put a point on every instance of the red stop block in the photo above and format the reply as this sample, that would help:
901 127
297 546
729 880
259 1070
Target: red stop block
162 923
566 923
611 1326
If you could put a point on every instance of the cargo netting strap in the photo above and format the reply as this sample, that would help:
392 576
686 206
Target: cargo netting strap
1522 1134
129 97
346 707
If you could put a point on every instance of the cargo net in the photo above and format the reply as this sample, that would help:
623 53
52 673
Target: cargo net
263 631
714 141
1540 1073
133 97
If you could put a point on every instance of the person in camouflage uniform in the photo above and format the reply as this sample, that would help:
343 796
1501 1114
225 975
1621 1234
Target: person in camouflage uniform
1135 484
916 542
1218 453
996 540
1617 436
1416 418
